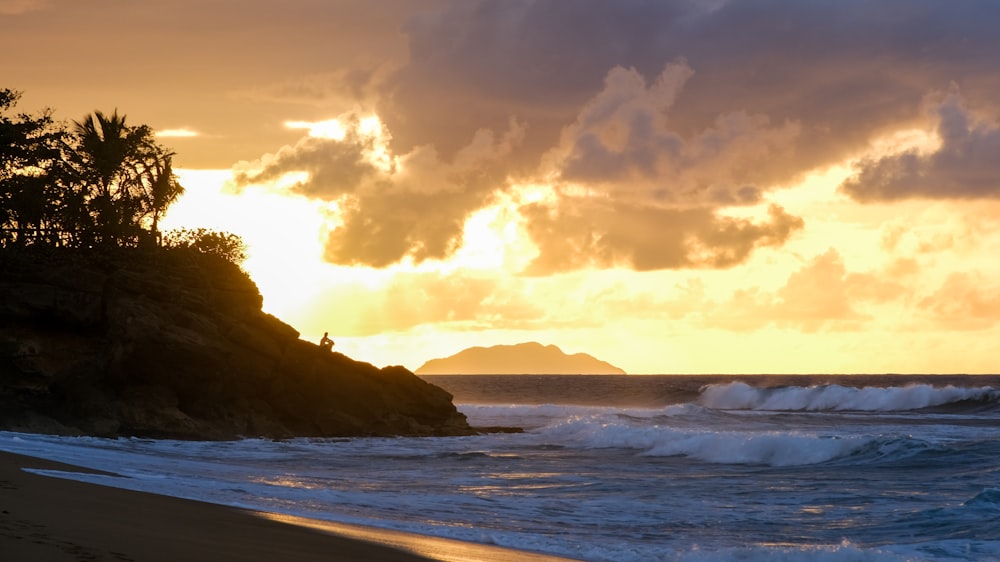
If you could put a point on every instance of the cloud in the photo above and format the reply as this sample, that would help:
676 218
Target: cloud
941 229
841 72
821 295
470 300
622 141
588 233
461 299
177 133
390 207
650 196
337 157
648 119
653 197
965 301
438 71
379 231
964 167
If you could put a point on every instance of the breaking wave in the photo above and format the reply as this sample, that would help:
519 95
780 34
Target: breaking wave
834 397
771 448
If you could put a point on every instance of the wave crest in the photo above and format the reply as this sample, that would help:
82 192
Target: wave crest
717 447
834 397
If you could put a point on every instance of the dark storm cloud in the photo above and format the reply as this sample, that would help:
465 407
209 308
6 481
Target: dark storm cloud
663 112
622 141
536 60
844 69
965 166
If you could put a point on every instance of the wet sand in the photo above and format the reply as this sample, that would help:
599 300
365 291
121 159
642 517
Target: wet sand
48 519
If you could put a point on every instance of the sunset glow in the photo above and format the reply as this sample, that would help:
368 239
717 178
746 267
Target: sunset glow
699 200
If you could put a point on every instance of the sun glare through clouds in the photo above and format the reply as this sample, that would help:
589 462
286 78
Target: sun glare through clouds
287 231
281 232
284 234
295 206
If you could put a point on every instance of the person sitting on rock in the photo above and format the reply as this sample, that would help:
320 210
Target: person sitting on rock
326 343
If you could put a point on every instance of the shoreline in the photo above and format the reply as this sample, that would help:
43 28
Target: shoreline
50 519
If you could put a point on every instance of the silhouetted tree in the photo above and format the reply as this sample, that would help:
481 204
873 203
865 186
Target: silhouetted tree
30 161
103 183
105 156
162 189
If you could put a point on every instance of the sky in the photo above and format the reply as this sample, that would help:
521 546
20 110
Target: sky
689 186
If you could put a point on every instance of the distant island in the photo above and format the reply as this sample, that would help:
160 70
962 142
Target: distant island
531 358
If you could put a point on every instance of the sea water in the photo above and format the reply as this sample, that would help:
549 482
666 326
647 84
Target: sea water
628 468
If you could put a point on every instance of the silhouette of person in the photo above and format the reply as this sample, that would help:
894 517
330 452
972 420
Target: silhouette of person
326 343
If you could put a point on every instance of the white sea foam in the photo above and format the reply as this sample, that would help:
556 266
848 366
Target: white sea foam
771 448
741 396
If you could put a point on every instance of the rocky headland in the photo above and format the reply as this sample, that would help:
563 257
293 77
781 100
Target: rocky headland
173 344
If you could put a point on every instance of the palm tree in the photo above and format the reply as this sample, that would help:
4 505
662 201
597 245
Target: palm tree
130 176
162 190
105 146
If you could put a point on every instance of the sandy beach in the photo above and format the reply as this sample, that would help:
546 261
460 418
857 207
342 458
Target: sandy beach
48 519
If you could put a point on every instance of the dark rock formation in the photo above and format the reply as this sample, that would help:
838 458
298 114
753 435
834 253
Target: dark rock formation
173 344
522 359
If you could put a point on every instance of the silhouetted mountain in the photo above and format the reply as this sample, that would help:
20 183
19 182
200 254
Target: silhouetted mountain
521 359
175 345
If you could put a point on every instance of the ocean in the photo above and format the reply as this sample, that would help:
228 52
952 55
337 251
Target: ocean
631 468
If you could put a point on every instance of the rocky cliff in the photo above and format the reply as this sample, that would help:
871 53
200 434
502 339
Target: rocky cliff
175 345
